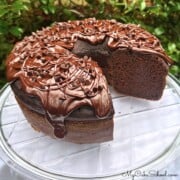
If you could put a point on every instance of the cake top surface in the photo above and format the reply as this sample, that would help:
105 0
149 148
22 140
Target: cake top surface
47 68
62 81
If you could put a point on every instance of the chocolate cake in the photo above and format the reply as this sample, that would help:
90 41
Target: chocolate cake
57 79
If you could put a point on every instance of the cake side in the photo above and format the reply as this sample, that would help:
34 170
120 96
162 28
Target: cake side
79 129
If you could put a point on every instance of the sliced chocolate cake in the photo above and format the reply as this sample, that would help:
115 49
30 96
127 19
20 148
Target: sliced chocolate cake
57 79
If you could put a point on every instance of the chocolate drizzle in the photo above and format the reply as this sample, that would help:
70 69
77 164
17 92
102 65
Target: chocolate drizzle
63 82
48 69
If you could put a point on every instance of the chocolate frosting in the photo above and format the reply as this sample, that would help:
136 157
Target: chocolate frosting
47 68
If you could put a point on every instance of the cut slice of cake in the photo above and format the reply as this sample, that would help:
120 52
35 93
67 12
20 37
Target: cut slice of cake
57 79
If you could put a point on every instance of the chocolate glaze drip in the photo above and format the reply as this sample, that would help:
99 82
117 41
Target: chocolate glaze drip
48 69
63 82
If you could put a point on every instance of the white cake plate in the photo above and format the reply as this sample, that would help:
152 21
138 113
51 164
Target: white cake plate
146 136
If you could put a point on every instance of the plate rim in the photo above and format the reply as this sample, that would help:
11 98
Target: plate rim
20 165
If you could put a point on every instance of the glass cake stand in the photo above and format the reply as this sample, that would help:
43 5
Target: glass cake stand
146 136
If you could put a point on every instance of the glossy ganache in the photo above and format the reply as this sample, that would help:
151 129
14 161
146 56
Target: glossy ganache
62 81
